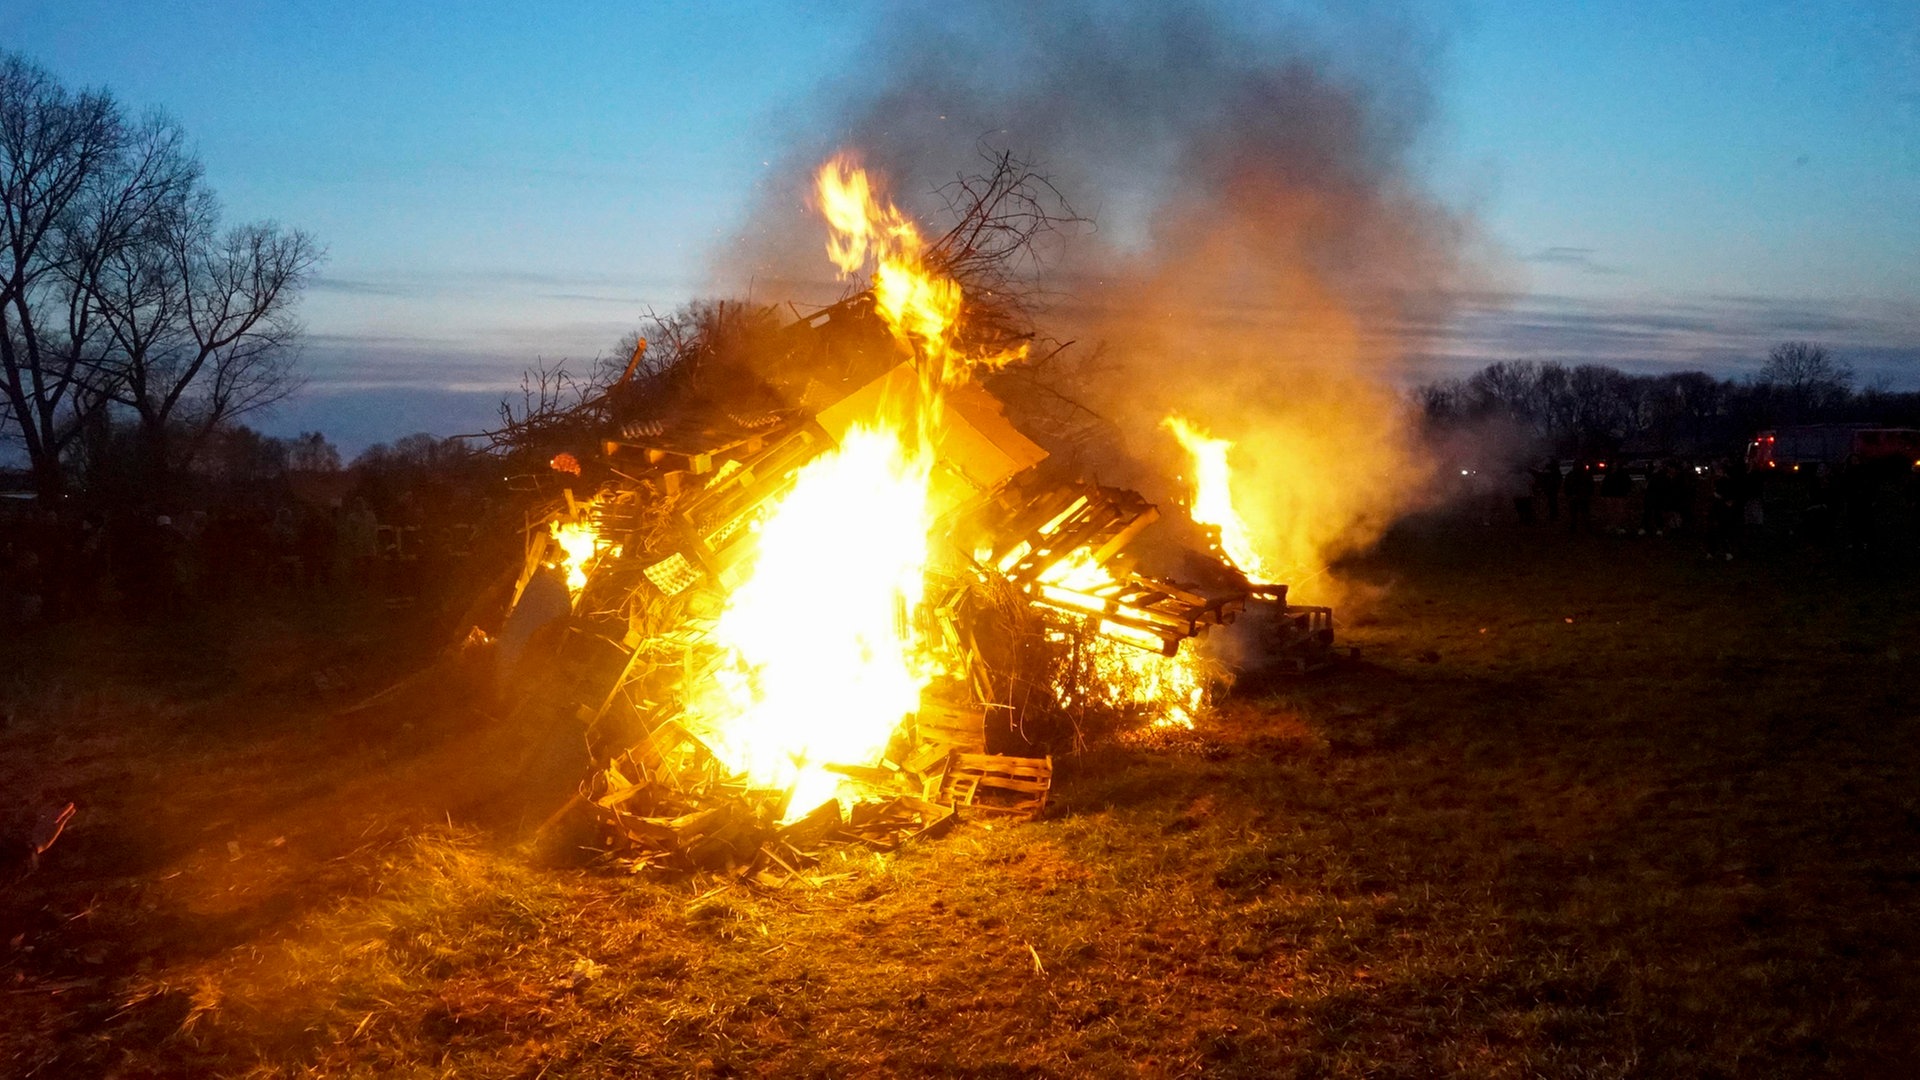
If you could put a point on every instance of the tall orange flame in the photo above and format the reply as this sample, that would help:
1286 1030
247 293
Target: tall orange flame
919 304
820 657
1213 502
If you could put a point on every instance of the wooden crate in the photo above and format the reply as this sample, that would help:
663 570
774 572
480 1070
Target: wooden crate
999 785
963 727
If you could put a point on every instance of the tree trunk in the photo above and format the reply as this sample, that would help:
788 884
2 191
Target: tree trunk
49 480
156 469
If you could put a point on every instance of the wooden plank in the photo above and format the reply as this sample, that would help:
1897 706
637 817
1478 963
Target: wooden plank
929 755
1005 761
963 726
812 828
1016 784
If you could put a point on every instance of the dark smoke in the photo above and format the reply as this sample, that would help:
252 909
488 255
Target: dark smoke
1263 255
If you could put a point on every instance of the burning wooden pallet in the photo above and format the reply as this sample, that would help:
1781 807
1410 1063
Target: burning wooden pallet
1086 523
1142 611
1061 546
944 726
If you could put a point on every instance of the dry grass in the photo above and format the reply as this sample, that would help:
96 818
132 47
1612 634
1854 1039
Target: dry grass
1678 835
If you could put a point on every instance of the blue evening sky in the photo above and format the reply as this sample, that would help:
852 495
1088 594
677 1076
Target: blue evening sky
1679 183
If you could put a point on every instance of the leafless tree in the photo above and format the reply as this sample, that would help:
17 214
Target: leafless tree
1509 389
58 153
201 323
1804 380
117 288
311 452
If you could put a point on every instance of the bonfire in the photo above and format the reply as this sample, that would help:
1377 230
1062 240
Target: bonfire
847 598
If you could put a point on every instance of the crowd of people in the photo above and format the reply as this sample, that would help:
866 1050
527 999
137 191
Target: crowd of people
1865 508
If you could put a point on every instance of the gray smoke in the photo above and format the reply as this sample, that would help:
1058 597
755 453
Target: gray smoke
1263 254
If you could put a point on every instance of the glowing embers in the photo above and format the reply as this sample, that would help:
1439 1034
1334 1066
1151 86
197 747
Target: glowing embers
1109 674
1127 658
1213 502
819 659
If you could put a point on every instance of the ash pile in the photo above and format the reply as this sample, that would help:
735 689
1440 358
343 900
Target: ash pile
812 586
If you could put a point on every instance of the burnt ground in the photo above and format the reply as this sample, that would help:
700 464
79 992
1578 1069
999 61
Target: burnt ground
1585 808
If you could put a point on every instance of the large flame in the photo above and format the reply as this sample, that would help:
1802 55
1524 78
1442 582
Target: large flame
820 659
820 656
920 305
1213 502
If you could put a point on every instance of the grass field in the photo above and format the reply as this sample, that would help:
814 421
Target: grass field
1585 808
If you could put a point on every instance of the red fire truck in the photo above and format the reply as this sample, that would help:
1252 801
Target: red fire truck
1793 448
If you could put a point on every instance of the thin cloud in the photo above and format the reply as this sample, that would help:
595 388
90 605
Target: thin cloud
360 287
1578 258
580 286
1722 335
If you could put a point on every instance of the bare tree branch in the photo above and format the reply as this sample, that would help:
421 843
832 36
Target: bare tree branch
1002 218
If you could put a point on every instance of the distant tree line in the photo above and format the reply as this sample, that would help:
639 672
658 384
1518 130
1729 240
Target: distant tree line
126 306
238 462
1592 409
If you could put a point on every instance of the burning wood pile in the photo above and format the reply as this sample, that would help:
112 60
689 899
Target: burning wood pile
847 600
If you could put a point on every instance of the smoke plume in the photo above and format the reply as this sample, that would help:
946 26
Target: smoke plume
1261 254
